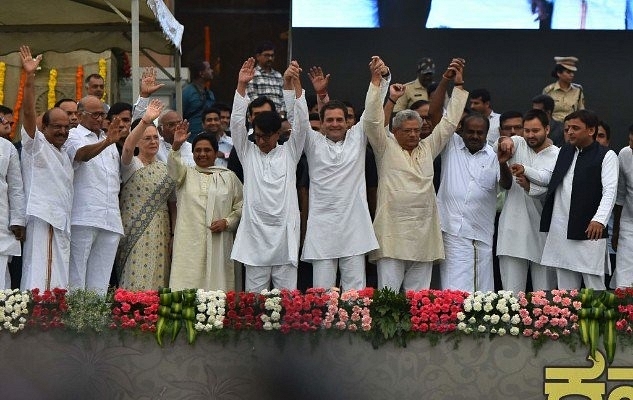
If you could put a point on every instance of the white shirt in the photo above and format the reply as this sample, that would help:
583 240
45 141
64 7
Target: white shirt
467 196
48 181
268 233
493 130
186 154
11 198
519 224
225 145
96 183
339 223
586 256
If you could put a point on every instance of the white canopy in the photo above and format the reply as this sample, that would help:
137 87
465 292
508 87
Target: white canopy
94 25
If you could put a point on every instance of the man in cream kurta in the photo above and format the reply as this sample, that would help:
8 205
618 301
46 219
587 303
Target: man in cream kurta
339 230
519 240
623 219
267 240
407 222
48 186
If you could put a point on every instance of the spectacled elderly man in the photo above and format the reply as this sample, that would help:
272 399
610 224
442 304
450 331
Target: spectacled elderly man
407 222
96 220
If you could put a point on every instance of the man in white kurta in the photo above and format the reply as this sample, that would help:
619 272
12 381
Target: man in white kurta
339 229
467 204
267 239
581 256
11 209
96 219
623 220
519 240
48 185
407 222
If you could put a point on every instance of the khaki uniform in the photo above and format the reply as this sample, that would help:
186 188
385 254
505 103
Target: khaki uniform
413 91
565 101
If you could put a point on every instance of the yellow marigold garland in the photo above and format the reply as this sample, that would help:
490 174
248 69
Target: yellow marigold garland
102 72
3 69
52 83
79 81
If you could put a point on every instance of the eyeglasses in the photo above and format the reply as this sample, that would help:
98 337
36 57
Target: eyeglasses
5 121
95 115
59 127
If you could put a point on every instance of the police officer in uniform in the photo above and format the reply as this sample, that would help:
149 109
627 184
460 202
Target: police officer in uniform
568 96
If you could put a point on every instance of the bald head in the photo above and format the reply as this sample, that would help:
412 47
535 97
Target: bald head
91 113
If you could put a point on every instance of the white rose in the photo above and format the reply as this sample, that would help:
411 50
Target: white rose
488 307
481 328
477 306
515 319
514 331
275 316
468 307
461 326
501 331
461 316
221 310
486 318
494 319
201 317
505 318
268 326
472 320
202 307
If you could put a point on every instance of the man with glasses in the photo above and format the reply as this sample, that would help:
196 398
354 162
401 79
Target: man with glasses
267 82
407 222
96 219
6 121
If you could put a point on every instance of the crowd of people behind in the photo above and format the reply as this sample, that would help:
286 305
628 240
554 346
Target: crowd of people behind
429 178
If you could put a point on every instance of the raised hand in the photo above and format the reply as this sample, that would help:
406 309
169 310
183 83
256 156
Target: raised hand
181 133
396 91
377 68
153 111
148 82
116 131
455 70
29 64
319 80
247 71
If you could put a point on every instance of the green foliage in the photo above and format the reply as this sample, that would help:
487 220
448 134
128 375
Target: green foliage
391 319
87 311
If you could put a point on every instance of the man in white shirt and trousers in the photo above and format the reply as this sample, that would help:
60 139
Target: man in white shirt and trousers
407 222
579 199
525 177
96 219
467 203
48 185
267 239
339 230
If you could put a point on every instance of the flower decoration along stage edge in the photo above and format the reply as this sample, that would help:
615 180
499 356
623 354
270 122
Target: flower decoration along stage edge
576 317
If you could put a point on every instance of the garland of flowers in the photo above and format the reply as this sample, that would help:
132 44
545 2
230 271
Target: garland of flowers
379 315
102 72
52 84
18 105
3 69
79 81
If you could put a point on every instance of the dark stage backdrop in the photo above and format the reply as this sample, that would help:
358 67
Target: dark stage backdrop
514 65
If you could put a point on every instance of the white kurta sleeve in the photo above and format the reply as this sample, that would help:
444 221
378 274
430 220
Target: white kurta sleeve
238 125
300 127
609 187
373 118
445 129
289 101
15 190
175 167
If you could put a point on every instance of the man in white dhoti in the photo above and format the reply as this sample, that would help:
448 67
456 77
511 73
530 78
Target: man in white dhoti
339 229
622 239
96 219
519 240
267 239
48 184
579 199
467 200
407 223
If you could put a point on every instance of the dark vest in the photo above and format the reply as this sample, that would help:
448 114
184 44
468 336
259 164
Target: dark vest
586 188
